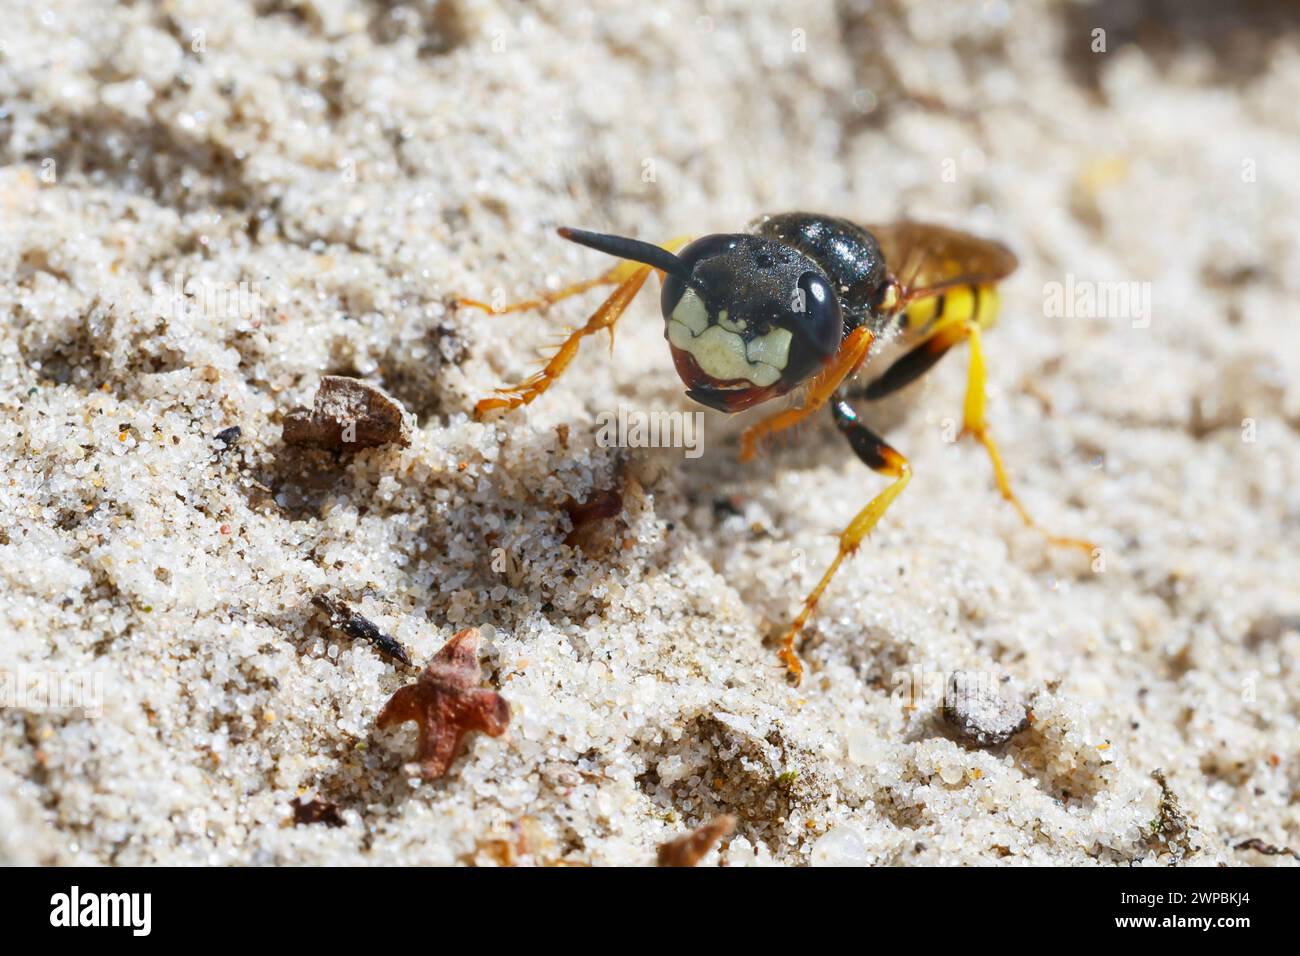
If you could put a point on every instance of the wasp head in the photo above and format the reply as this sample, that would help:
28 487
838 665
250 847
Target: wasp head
747 318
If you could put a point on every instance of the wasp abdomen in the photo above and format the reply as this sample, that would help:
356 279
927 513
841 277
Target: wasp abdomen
962 303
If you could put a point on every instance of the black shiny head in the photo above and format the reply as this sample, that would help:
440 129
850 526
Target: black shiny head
748 318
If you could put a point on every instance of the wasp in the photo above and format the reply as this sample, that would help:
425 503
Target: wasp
793 306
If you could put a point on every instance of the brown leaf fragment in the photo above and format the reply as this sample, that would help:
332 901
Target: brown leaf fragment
446 703
315 811
689 849
600 506
348 415
360 628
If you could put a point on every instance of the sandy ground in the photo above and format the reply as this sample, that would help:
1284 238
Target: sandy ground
324 177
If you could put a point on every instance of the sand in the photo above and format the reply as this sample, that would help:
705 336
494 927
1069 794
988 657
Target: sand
325 177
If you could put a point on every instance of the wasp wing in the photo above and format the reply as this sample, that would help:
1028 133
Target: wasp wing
926 260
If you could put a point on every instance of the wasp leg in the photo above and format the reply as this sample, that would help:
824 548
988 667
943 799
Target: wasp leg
913 364
975 424
852 351
615 276
603 318
877 455
619 273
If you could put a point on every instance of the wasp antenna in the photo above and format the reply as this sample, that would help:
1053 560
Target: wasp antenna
625 248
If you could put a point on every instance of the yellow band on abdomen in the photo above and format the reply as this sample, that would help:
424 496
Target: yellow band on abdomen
958 304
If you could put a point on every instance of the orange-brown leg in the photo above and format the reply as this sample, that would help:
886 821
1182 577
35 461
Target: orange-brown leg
852 351
615 276
542 300
603 318
881 458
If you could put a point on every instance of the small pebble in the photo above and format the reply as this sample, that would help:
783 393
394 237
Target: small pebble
230 436
347 415
840 846
980 714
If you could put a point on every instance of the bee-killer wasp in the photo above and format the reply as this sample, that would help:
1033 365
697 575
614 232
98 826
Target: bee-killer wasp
796 301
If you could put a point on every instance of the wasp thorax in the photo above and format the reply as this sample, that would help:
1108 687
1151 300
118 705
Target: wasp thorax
753 314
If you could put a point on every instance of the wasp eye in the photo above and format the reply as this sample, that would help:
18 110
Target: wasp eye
813 287
816 323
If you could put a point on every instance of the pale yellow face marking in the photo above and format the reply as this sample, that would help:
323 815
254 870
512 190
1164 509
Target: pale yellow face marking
724 320
772 349
720 352
691 313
